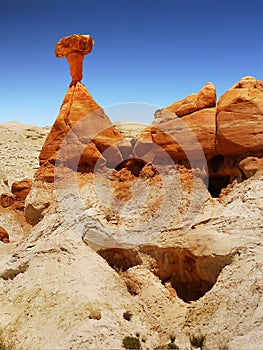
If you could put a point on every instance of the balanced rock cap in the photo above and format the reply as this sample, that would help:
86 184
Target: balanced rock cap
80 43
74 48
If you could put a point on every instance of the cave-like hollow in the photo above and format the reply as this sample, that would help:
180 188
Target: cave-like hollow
134 165
190 275
219 175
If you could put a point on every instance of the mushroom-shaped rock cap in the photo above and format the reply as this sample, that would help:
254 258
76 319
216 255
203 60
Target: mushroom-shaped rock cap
77 43
74 48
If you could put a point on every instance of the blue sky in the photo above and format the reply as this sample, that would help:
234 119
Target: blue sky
153 52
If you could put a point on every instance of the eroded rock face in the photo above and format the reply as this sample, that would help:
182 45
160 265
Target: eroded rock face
179 252
239 118
251 165
229 135
81 137
6 197
168 255
190 276
205 98
233 127
15 198
20 145
20 189
86 132
4 236
173 272
153 282
190 136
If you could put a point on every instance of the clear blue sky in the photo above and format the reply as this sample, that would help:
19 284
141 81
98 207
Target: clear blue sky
152 52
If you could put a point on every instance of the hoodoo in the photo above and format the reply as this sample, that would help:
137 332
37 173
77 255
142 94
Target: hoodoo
74 48
81 122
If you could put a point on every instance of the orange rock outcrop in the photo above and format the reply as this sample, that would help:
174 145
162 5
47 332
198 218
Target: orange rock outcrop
240 118
205 98
181 137
194 127
82 134
86 129
20 189
232 127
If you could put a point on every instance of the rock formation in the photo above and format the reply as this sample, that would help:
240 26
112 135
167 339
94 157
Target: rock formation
227 132
81 137
180 273
189 136
6 197
20 189
20 145
250 165
4 236
83 124
181 138
74 48
206 98
140 253
239 118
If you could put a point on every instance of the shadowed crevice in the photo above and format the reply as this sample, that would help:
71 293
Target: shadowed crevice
191 276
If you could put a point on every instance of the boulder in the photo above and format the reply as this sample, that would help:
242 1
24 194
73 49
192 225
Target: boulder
239 118
251 165
186 129
20 189
4 236
205 98
178 138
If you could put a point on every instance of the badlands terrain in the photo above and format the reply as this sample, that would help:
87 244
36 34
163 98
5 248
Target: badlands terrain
118 237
